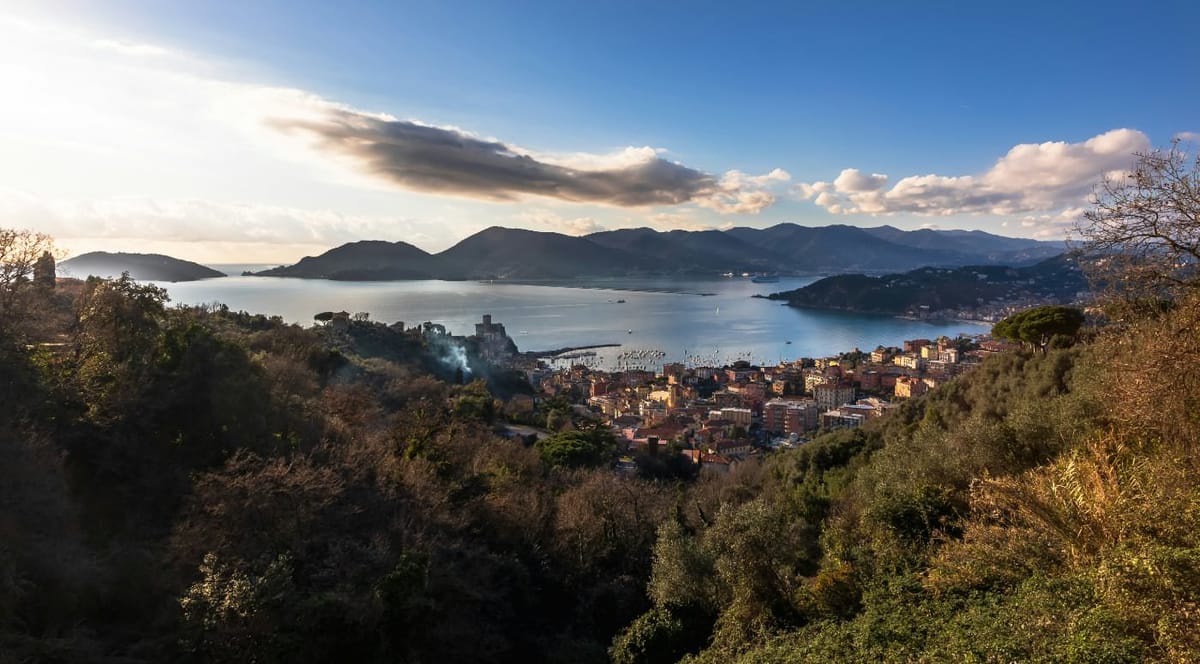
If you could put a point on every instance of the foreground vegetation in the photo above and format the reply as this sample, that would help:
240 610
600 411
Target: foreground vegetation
200 484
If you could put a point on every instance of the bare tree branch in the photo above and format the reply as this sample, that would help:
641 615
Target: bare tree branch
1143 230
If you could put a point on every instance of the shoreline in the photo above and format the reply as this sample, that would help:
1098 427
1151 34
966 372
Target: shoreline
585 286
562 351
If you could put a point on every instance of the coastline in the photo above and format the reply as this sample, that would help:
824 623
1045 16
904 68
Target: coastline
563 351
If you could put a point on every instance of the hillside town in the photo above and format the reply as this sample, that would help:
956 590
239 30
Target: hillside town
715 417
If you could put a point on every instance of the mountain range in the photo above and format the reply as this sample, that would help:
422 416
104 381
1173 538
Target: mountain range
145 267
507 253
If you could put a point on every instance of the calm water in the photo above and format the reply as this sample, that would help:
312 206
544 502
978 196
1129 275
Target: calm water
725 325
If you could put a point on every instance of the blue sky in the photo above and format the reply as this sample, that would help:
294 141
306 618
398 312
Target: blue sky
979 114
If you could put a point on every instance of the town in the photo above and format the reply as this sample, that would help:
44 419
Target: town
717 416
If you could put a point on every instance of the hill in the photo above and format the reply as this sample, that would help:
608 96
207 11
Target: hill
511 253
505 253
995 248
691 251
932 289
842 248
368 260
144 267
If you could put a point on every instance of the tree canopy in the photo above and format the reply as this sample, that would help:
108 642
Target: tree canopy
1039 325
20 252
587 448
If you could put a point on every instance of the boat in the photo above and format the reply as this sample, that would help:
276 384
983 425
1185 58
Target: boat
765 279
629 331
620 301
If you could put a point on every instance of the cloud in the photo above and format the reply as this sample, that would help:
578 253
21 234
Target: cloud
739 193
448 160
553 221
201 221
675 221
1053 225
130 48
852 181
1030 178
1193 136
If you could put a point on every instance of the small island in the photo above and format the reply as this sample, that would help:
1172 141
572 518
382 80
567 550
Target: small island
143 267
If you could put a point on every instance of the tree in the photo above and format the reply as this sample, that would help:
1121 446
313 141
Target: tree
591 447
20 251
1143 230
1039 325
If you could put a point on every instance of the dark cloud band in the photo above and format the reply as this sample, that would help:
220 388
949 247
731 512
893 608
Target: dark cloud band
436 159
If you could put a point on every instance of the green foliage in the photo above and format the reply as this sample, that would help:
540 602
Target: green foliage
1040 325
659 636
232 613
474 402
589 448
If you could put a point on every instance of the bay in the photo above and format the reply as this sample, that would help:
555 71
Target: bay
653 320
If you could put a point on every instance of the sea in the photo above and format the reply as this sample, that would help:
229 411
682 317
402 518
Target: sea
641 322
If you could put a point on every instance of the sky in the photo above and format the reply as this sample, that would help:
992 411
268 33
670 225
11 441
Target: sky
260 131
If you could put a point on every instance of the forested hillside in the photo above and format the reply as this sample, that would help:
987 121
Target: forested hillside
203 484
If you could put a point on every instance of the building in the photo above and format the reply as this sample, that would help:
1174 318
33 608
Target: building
813 378
738 416
832 395
782 416
869 380
340 320
836 419
494 343
732 448
908 387
915 345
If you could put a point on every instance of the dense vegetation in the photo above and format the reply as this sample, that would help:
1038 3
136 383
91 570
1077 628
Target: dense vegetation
202 484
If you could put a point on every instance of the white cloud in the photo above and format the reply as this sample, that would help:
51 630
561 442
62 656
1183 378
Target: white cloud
584 161
675 221
139 220
739 193
130 48
1030 178
552 221
1053 226
1193 136
851 180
